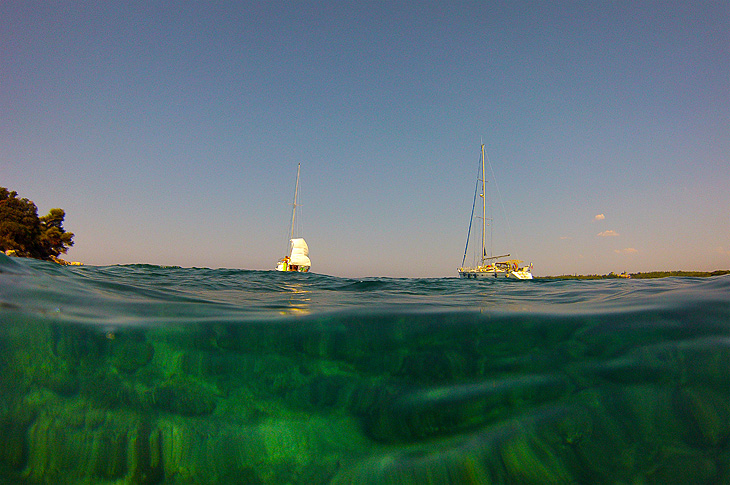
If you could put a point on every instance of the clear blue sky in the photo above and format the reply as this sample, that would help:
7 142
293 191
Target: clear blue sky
170 131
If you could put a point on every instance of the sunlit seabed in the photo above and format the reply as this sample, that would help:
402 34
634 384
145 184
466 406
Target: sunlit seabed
144 374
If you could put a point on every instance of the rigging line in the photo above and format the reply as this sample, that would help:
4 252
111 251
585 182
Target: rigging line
471 219
294 211
299 223
501 203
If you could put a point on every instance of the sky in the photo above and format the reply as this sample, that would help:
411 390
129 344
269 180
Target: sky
170 132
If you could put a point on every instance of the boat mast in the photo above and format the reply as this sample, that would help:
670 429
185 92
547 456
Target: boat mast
484 210
294 204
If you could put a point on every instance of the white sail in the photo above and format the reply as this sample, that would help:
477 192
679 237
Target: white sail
300 245
299 253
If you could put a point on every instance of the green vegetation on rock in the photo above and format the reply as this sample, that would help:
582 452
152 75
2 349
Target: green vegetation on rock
25 234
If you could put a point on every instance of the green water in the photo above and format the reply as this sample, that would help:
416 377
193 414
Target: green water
142 374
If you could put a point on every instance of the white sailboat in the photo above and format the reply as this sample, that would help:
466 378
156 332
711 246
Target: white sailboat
491 266
298 253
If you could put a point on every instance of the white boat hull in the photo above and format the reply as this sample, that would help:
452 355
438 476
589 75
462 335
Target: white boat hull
283 265
522 274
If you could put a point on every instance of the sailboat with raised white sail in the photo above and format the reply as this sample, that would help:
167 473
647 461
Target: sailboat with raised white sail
490 266
297 258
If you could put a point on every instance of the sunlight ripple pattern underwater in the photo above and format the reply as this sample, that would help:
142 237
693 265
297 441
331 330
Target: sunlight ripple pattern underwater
148 374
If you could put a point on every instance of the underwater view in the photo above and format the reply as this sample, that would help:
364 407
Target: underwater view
148 374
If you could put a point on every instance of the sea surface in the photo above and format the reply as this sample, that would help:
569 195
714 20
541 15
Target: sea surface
148 374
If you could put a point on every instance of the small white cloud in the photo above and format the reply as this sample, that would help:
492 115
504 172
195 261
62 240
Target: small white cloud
599 217
563 238
625 251
608 233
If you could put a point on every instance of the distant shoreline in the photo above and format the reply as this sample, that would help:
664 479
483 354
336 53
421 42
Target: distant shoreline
639 276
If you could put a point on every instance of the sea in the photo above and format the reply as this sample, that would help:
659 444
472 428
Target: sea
148 374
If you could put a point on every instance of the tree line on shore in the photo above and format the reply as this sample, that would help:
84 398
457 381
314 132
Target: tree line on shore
24 234
646 275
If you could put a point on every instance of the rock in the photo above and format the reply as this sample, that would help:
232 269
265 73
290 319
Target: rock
63 262
185 397
704 416
128 354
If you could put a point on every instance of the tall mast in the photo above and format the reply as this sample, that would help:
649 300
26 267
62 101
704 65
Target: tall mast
294 204
484 209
